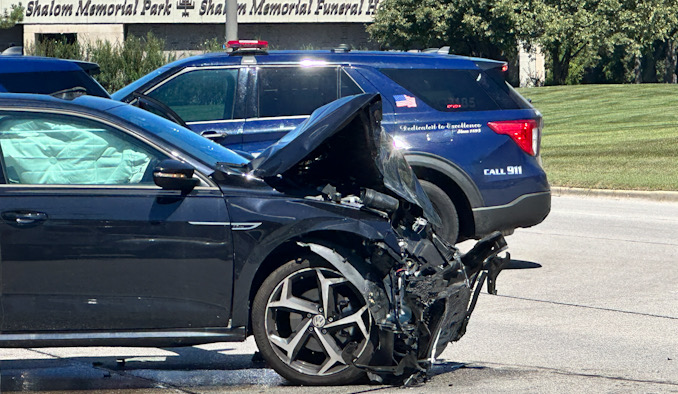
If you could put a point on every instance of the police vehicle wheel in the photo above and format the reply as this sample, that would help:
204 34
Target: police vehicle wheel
446 210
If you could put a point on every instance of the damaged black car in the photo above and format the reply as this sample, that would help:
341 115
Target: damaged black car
122 228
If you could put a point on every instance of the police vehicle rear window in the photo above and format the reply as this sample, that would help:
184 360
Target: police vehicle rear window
458 90
49 82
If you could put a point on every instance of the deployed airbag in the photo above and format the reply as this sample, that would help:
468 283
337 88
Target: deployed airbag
40 152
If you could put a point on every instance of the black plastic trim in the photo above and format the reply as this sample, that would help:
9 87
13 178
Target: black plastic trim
525 211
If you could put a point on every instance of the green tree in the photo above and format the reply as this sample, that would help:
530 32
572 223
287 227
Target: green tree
569 32
650 28
10 18
470 27
608 35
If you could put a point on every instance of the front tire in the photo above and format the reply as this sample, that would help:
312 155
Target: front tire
304 316
446 210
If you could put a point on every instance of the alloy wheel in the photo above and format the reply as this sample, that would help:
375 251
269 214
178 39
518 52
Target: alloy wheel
316 320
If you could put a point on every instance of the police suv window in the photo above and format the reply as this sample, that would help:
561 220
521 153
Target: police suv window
456 90
293 91
200 95
348 86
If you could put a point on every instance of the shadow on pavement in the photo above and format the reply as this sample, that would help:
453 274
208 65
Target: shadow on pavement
191 367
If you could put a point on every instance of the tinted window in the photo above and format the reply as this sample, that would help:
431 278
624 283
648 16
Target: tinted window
290 91
65 150
457 90
508 95
50 82
348 86
200 95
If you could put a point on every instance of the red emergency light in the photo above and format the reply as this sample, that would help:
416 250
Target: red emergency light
247 44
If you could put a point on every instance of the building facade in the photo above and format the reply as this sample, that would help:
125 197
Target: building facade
186 25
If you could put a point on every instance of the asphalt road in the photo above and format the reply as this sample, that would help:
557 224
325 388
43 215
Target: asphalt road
591 305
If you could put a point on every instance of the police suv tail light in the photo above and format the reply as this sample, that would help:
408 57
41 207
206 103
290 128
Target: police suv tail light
525 133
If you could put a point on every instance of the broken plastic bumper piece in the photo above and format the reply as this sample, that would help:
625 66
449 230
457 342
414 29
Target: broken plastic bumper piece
431 302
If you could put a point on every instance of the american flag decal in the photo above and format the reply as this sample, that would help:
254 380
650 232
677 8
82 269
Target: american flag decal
403 100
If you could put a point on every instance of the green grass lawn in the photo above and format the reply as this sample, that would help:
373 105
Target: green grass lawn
609 136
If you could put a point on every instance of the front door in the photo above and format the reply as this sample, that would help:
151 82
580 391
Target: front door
88 242
210 100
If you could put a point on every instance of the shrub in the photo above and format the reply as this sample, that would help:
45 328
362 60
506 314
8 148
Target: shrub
212 45
57 48
120 63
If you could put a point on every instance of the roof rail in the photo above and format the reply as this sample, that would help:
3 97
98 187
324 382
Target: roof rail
441 51
342 48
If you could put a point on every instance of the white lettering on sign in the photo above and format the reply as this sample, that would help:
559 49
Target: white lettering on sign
459 128
510 170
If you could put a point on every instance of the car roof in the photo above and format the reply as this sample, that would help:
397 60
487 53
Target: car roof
372 58
26 64
379 59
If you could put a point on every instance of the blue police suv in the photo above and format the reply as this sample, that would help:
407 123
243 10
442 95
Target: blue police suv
471 139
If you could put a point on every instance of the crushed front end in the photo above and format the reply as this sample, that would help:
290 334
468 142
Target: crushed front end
420 294
431 291
419 289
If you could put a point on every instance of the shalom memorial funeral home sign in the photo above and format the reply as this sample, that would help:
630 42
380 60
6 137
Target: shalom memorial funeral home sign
196 11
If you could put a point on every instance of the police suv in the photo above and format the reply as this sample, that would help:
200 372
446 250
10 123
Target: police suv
471 139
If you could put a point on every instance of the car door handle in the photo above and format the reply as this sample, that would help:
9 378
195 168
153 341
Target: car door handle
24 217
211 134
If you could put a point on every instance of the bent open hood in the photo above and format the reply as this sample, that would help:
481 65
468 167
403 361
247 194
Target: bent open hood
342 144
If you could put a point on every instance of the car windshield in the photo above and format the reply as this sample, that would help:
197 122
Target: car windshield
199 147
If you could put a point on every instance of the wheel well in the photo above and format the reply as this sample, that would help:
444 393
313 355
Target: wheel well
290 249
456 194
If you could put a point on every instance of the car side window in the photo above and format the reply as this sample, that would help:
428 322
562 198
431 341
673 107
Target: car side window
348 86
200 95
294 91
54 149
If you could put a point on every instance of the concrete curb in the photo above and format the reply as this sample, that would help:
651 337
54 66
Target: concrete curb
637 194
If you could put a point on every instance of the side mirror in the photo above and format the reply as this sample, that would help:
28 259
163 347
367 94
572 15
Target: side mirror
175 175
